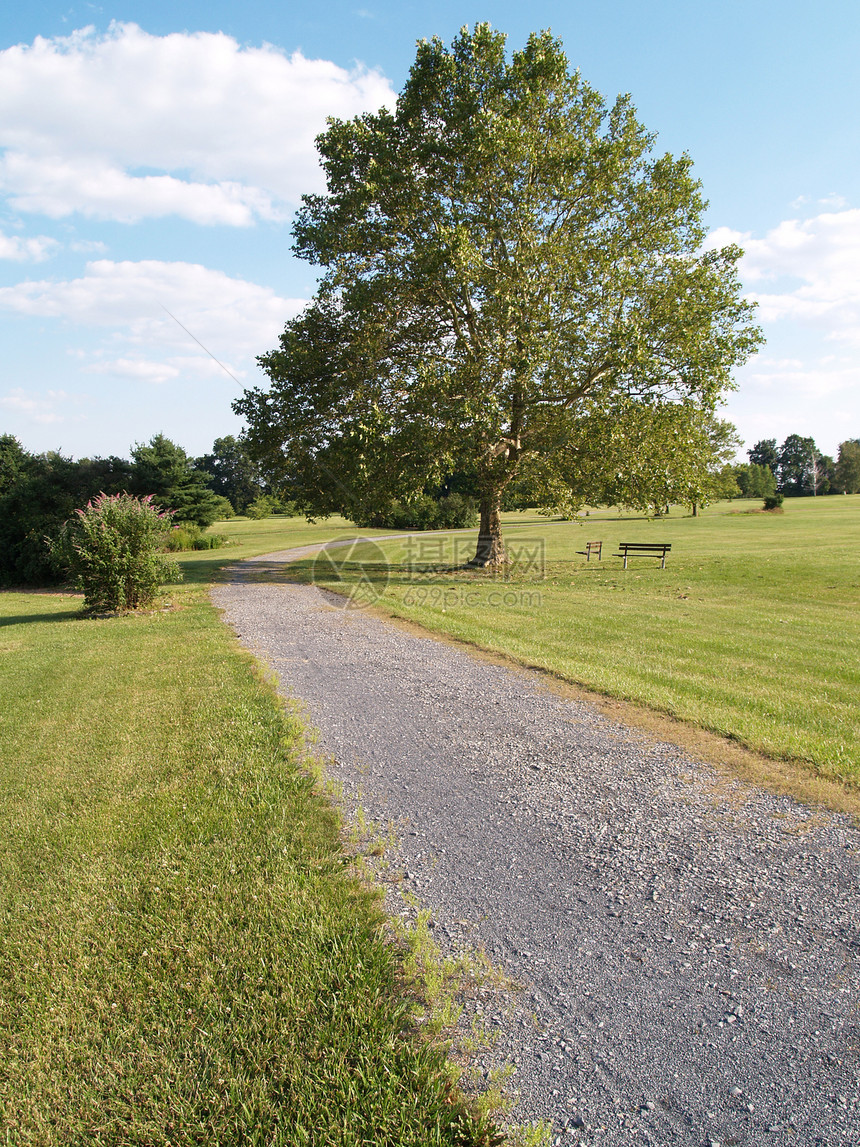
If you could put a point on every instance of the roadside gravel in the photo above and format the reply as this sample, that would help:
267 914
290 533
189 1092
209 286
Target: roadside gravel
688 947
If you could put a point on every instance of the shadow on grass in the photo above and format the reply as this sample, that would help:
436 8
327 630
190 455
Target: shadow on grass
27 618
199 571
392 574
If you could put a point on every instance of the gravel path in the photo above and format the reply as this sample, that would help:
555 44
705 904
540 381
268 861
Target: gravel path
689 947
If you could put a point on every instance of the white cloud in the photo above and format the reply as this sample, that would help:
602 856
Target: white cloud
805 276
807 271
45 410
26 250
225 323
128 125
96 189
817 396
88 246
834 200
793 379
229 316
137 369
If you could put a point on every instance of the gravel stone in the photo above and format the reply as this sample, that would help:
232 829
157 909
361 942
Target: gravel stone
682 940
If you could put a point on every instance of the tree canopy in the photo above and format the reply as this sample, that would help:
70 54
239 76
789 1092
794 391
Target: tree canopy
508 271
755 480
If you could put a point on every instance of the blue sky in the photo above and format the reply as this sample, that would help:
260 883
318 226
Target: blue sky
152 155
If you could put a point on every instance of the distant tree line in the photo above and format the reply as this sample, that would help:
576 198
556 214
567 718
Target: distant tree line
799 469
39 492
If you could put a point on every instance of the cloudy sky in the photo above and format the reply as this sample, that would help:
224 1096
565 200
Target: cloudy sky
152 156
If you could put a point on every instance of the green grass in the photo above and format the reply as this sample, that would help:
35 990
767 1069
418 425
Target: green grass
186 956
752 631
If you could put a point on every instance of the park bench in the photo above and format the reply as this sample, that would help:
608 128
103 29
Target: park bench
592 548
642 549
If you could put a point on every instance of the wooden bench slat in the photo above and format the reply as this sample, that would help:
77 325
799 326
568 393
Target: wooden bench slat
644 545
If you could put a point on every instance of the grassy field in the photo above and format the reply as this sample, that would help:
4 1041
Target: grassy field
185 956
752 631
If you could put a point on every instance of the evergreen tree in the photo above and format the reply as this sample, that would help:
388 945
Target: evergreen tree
164 470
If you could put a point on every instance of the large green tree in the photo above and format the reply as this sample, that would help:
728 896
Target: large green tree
508 267
796 467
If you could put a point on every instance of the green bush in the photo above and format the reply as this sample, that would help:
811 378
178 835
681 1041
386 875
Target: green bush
210 542
262 507
773 501
224 509
187 536
111 549
181 538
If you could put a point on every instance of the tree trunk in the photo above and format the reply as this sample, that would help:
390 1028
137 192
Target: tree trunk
695 509
491 548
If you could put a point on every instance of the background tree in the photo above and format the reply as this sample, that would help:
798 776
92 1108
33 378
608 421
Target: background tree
715 480
823 474
164 470
765 453
847 476
755 481
796 473
506 264
13 462
232 472
37 494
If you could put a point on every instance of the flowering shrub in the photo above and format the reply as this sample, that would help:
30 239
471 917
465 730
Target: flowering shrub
111 549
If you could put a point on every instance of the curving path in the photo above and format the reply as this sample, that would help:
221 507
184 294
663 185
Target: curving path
689 947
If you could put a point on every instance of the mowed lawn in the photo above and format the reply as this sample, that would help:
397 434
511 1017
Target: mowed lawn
186 957
752 631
